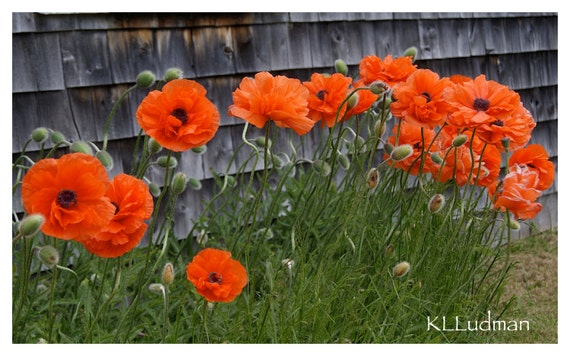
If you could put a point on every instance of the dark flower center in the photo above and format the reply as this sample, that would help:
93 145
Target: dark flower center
116 207
66 198
180 114
481 104
321 94
426 95
215 277
498 123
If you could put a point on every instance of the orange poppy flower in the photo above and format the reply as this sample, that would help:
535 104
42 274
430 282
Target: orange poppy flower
280 99
70 193
216 276
459 78
365 99
327 93
133 204
412 135
482 165
179 117
517 192
517 128
390 71
420 99
535 157
479 101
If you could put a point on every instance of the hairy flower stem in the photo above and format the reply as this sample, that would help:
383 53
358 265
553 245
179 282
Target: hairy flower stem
112 114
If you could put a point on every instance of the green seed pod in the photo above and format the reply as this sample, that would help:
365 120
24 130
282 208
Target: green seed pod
31 224
436 203
436 158
401 269
388 148
343 161
48 255
145 79
105 158
200 149
164 162
40 135
82 147
322 168
57 137
154 189
401 152
167 276
179 183
153 146
411 52
378 87
194 183
459 140
340 67
172 73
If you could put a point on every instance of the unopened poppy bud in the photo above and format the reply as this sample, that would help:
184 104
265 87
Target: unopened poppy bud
167 276
513 224
436 203
153 146
379 128
48 255
343 161
31 224
156 288
145 79
372 178
231 181
378 87
436 158
340 67
322 168
165 161
389 250
194 183
352 101
154 189
277 162
388 148
57 137
459 140
401 152
172 73
40 135
202 237
411 52
401 269
105 158
261 142
200 149
289 263
179 183
82 147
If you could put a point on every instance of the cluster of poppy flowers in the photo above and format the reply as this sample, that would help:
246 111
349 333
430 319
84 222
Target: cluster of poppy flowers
457 127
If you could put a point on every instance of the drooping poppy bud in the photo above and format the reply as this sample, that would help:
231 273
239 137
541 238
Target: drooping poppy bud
167 276
411 52
340 67
436 203
200 149
105 158
194 183
172 73
57 137
322 168
165 161
401 269
459 140
179 183
145 79
153 146
48 255
40 135
401 152
81 147
31 225
372 178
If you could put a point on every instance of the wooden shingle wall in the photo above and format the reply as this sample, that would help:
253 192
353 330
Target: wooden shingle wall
69 69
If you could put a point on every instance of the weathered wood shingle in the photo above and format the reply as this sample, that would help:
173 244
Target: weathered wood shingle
70 69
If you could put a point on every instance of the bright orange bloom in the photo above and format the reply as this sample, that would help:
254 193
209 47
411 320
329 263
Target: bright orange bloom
535 157
133 204
365 100
420 141
517 128
265 97
70 193
216 276
459 78
179 117
479 101
471 162
420 99
390 71
517 192
327 93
